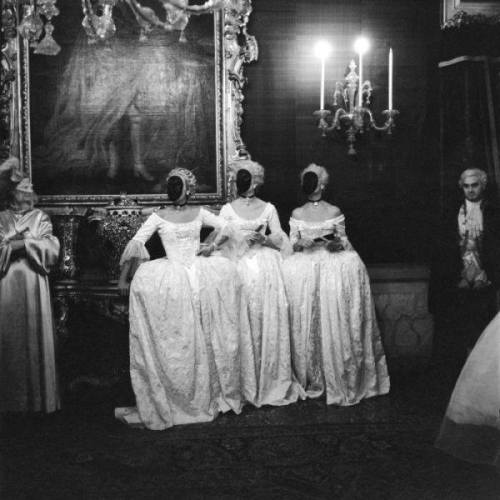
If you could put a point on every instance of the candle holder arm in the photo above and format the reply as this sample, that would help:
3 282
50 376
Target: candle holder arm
389 122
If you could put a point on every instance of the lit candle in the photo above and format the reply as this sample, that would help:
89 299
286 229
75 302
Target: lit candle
361 46
322 87
322 49
360 89
390 79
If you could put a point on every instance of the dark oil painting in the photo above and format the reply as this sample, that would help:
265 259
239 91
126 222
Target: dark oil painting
115 117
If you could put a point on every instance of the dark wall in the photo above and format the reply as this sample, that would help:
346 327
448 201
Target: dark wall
389 190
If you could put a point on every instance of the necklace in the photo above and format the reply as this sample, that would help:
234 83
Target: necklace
178 206
315 203
248 198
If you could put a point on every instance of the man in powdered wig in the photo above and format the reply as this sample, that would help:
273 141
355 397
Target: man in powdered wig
478 233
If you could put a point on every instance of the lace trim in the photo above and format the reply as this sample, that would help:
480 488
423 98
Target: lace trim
334 220
134 250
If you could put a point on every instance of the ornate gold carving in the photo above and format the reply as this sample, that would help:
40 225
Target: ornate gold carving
236 48
237 13
119 223
61 311
8 122
67 231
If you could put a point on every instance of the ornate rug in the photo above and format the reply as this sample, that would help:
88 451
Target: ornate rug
382 448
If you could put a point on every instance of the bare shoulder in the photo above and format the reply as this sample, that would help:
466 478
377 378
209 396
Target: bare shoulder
209 209
333 211
298 212
162 212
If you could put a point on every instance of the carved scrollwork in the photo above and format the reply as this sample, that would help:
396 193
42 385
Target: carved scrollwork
8 123
67 231
61 311
237 54
235 48
117 224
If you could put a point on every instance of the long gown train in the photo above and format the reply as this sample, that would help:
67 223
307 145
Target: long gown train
185 329
471 427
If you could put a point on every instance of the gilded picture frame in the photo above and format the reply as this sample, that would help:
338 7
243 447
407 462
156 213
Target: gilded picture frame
233 47
450 7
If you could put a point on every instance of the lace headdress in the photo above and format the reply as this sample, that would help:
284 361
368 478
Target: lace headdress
187 176
320 171
255 169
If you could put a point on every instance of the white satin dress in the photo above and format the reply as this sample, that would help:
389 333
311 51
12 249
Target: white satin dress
336 344
185 330
266 307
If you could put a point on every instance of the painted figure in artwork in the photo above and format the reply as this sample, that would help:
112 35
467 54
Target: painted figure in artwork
126 111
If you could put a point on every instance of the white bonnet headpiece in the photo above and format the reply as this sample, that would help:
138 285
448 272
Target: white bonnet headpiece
186 175
320 171
255 169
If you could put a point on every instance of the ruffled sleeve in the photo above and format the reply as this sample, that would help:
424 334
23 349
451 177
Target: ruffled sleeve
5 250
294 231
224 214
278 236
220 223
339 223
42 247
136 248
211 220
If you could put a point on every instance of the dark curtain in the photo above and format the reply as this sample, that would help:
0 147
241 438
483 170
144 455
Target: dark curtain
469 123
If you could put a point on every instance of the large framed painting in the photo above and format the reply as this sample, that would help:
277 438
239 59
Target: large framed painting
450 7
106 118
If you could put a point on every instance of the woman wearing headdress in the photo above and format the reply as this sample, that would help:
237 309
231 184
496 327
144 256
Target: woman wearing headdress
184 317
28 250
255 245
336 344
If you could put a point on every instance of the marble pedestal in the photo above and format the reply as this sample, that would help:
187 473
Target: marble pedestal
400 292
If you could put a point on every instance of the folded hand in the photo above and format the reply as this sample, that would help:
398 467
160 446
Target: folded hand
206 250
302 243
255 237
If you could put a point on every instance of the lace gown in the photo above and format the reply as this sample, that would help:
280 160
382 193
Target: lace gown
471 427
336 345
266 307
184 328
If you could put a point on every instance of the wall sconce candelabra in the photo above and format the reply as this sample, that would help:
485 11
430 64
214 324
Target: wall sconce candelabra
351 99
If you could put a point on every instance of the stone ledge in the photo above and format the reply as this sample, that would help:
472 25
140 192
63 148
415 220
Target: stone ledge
400 293
380 273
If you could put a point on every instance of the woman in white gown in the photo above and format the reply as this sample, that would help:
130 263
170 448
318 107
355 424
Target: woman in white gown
259 264
336 344
184 318
471 427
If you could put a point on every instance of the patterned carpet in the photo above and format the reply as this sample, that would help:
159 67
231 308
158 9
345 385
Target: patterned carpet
382 448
